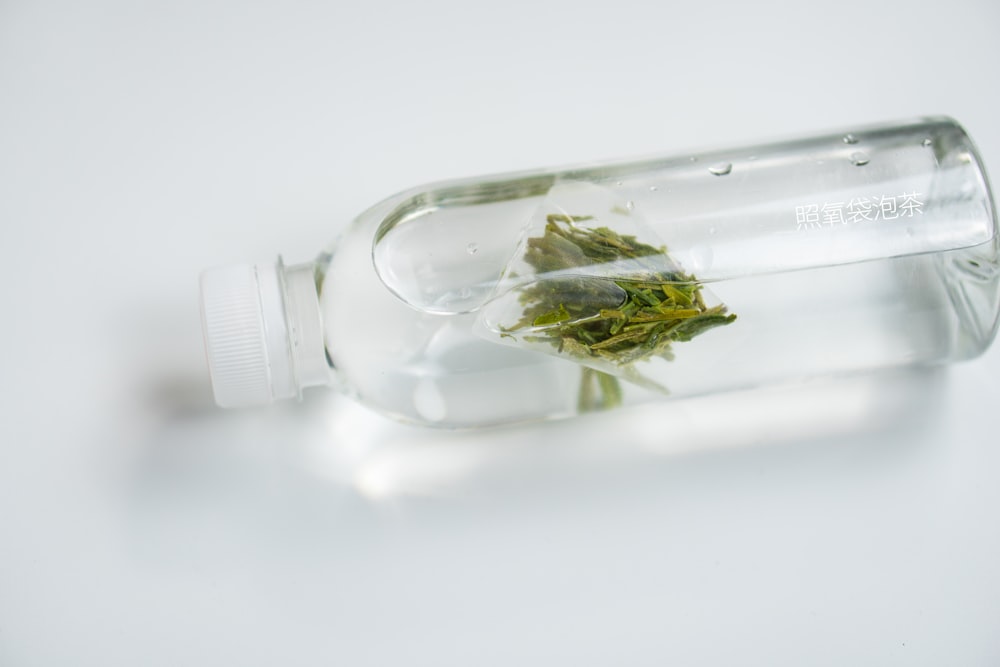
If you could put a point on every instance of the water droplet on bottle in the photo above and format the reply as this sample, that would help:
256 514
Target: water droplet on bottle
712 230
859 159
629 205
721 168
654 188
926 142
618 183
752 158
472 248
850 138
693 158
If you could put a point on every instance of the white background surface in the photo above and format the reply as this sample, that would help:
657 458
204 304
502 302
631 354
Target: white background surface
848 522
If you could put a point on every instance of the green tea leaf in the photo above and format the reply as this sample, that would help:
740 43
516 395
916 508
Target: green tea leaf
620 319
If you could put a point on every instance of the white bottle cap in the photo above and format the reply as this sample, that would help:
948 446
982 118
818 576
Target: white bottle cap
246 335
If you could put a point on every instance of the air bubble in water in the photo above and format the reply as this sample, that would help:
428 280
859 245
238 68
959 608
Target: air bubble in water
654 188
472 248
850 139
859 159
926 142
629 205
721 168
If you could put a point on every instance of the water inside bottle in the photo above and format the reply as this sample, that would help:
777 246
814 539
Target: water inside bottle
839 317
829 265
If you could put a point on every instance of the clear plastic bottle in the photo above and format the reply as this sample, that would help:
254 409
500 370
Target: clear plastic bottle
543 294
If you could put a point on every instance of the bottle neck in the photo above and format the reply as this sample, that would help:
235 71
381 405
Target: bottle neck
305 347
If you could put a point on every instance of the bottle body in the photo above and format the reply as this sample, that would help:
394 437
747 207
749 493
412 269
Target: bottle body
541 295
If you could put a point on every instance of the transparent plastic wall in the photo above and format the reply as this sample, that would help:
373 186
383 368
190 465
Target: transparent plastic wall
869 248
